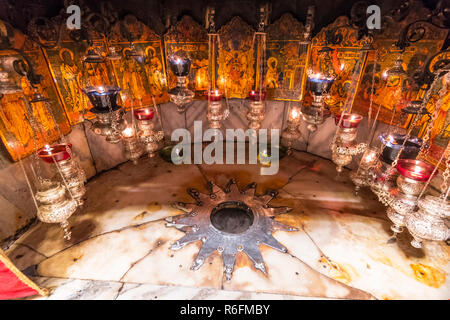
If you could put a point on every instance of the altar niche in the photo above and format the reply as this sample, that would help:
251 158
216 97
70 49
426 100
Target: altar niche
257 140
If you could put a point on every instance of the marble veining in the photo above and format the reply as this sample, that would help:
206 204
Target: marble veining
121 246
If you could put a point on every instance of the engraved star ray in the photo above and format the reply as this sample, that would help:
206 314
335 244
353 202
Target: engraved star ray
196 223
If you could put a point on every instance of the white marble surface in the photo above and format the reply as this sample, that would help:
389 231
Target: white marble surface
121 246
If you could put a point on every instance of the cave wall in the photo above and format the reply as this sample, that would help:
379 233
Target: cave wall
95 155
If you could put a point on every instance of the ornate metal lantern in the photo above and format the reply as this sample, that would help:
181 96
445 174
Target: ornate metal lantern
368 169
257 111
60 155
180 95
109 122
216 112
344 147
131 147
393 142
428 222
291 133
316 113
146 133
403 199
55 206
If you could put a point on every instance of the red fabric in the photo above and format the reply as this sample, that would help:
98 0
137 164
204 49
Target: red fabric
11 286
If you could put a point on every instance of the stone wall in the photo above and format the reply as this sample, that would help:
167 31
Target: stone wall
96 155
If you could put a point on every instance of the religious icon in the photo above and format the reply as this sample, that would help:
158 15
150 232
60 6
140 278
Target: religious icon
154 70
71 79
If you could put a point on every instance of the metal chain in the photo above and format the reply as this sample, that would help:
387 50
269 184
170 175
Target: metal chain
408 134
371 91
444 183
446 173
423 150
33 124
61 136
347 106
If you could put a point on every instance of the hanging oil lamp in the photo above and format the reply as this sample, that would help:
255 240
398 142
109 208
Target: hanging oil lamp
146 134
291 133
368 169
257 111
316 113
109 122
428 223
344 147
132 150
412 176
180 95
55 206
392 144
216 112
74 177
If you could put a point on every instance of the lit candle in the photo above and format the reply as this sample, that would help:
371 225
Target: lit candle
144 114
348 120
213 95
58 152
294 114
257 95
180 66
417 170
128 132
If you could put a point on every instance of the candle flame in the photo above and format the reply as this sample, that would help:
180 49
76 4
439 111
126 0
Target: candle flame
128 132
294 114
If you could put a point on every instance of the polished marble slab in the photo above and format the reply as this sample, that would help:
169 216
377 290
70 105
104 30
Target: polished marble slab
121 245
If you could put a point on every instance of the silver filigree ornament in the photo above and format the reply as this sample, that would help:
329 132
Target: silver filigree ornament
202 223
428 222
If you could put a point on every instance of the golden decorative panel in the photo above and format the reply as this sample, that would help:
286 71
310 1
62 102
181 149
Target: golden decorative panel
336 51
188 38
286 59
236 59
15 129
440 131
140 80
414 57
70 76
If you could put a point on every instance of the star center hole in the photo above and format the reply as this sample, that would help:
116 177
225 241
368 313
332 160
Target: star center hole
232 217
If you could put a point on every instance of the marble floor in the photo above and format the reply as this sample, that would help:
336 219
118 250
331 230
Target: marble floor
120 246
